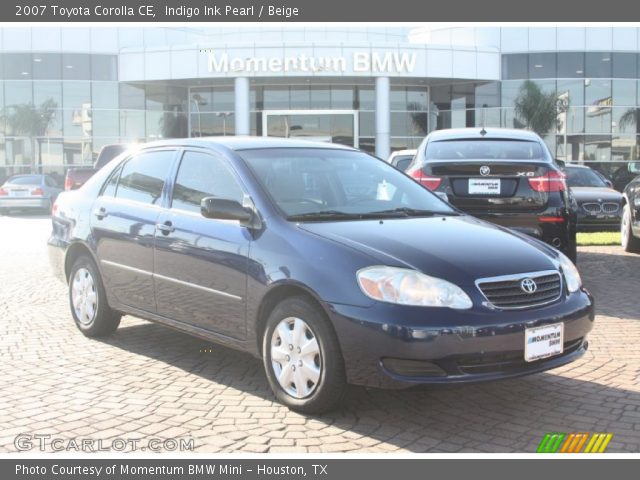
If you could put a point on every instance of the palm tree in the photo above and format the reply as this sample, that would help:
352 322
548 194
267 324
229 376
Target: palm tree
630 118
30 121
536 109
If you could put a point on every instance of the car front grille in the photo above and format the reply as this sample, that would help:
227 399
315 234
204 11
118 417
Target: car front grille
606 207
508 293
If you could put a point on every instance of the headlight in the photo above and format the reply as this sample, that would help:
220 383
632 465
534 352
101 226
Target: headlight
408 287
571 274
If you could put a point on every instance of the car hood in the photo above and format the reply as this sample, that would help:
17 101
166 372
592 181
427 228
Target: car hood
459 249
583 194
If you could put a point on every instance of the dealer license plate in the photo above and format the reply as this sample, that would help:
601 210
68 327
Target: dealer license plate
18 193
543 342
484 186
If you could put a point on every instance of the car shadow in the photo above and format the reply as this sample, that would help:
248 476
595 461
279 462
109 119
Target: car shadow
613 278
505 416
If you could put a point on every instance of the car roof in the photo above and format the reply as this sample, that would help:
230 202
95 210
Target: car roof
573 165
490 133
247 143
410 151
21 175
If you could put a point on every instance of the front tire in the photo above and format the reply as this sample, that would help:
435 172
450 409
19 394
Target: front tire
302 357
629 243
88 300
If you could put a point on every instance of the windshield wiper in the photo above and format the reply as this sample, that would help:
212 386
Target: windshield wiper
408 212
323 215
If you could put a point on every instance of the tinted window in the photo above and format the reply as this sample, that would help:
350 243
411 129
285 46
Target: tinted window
201 175
484 149
583 177
142 177
26 180
339 183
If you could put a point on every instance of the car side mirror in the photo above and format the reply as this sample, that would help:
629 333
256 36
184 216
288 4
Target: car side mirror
609 183
561 163
222 209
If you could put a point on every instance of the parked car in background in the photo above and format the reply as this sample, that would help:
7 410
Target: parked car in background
623 175
599 206
401 158
505 176
630 225
76 177
330 265
28 192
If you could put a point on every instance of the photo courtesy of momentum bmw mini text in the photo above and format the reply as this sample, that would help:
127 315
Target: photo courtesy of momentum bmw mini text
319 239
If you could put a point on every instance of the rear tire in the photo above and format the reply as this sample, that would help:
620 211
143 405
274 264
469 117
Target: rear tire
88 301
629 243
302 357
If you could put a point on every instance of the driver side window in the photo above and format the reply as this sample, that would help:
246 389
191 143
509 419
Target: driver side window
202 175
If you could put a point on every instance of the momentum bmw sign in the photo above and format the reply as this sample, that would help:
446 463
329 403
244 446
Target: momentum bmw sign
387 63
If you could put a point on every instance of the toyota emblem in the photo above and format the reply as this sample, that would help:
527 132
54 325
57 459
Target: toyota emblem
485 170
527 285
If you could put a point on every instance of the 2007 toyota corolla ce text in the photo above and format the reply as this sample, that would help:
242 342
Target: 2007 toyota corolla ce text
329 264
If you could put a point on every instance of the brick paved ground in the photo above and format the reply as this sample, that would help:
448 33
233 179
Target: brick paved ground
149 381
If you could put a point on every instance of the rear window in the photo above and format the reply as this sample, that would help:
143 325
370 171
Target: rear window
466 149
26 180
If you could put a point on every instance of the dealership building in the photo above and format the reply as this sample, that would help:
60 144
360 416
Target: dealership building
67 91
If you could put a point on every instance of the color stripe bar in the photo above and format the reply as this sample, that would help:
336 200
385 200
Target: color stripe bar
580 443
605 442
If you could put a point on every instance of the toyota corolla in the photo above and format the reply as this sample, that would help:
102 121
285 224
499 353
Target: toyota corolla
329 264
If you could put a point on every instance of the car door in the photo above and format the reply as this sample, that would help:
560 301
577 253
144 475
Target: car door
201 264
123 223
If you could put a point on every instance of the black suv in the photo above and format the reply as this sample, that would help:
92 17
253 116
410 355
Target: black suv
507 177
630 225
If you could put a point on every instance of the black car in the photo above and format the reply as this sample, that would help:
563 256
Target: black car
507 177
630 225
329 264
625 174
599 206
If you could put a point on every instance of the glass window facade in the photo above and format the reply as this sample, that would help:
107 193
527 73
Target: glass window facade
59 109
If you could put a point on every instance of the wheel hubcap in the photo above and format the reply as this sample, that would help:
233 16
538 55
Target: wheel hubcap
295 357
83 296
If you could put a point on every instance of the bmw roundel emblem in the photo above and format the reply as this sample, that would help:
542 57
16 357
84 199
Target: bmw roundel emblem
485 170
527 285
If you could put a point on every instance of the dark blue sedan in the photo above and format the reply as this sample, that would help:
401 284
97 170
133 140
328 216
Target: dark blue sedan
329 264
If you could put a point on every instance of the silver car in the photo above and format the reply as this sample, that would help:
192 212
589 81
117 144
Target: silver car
32 191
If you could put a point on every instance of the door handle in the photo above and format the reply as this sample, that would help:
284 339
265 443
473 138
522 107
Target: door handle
100 213
166 228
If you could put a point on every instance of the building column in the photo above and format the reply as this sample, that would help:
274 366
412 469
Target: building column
242 106
383 117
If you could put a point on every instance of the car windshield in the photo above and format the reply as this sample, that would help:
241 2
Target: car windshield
26 180
583 177
324 183
484 150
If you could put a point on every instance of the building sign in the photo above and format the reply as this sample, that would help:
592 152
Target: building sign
365 62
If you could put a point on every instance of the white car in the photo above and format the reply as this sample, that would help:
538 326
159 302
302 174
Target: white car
401 158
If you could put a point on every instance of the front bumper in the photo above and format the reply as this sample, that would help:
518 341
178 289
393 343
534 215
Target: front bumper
41 203
468 346
598 223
